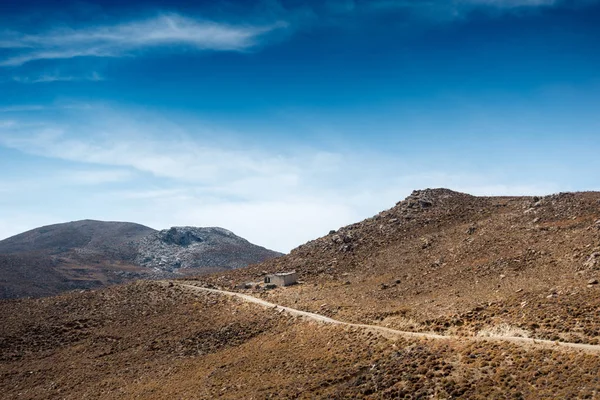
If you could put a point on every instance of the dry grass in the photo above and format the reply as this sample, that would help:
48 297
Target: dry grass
484 266
503 330
155 342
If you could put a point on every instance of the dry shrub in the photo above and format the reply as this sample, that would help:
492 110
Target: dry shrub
503 330
403 324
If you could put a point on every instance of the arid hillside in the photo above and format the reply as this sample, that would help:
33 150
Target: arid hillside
476 272
74 255
156 340
449 262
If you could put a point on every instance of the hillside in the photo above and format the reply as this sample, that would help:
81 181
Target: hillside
449 262
88 236
474 273
154 341
90 254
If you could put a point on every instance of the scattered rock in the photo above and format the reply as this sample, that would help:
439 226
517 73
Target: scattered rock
169 250
425 243
425 203
592 261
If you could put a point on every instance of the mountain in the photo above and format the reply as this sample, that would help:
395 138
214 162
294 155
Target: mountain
445 261
478 275
90 254
87 236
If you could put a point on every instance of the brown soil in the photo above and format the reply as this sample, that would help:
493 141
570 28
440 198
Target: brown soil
153 341
443 261
440 262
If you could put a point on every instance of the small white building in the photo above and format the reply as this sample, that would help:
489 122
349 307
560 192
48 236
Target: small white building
282 279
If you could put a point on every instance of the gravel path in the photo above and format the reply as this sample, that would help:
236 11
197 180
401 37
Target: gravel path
395 333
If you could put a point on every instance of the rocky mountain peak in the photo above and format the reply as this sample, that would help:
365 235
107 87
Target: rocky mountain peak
180 236
189 235
426 198
190 247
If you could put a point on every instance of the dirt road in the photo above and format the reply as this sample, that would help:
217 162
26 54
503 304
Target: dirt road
390 333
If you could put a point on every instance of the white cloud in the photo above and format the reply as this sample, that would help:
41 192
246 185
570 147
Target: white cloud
65 179
445 10
20 108
96 177
182 175
57 77
273 199
128 38
182 159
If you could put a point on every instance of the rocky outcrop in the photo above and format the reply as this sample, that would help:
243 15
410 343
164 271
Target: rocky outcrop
188 247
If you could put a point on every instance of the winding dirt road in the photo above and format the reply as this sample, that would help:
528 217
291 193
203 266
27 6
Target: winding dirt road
391 333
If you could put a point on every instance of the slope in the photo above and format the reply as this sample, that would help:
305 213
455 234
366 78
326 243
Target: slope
74 255
154 340
90 254
451 263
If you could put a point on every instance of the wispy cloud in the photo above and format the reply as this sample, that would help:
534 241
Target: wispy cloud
460 3
132 171
178 31
188 178
185 156
57 77
131 37
20 108
95 177
57 179
442 10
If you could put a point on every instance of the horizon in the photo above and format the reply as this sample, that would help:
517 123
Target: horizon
282 120
158 229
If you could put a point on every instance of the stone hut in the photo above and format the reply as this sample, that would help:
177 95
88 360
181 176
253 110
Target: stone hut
282 279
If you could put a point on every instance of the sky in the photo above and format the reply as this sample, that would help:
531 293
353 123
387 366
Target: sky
283 119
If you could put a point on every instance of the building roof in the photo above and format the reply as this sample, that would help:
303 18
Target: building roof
283 273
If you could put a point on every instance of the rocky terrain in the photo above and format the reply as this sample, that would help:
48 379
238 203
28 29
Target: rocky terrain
90 254
439 262
444 261
182 248
154 341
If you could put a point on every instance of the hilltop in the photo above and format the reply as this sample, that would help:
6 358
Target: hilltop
445 261
90 254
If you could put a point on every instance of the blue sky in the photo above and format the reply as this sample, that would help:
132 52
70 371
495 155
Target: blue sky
281 120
